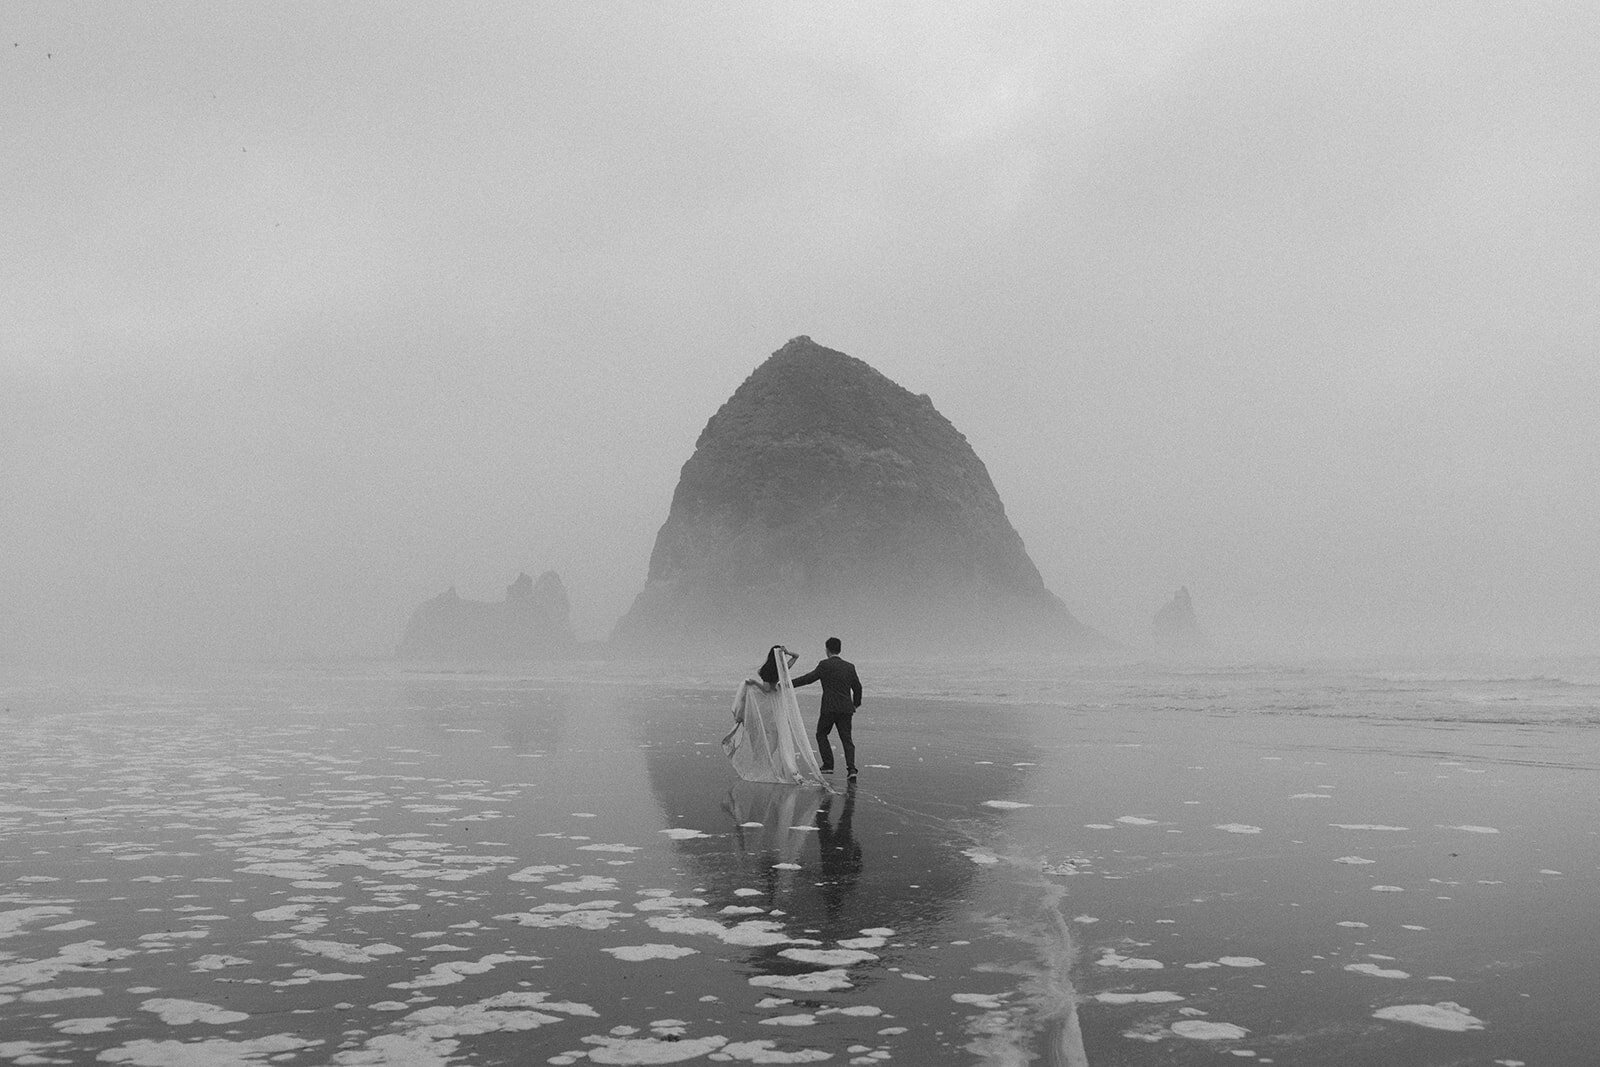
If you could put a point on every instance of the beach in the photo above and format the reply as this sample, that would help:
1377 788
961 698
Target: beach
1141 865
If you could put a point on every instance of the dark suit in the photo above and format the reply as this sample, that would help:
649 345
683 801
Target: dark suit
841 696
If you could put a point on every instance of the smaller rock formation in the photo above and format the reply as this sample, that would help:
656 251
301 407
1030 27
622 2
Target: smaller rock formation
532 622
1176 632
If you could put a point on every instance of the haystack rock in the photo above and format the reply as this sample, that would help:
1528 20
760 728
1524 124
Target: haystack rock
532 622
823 499
1175 631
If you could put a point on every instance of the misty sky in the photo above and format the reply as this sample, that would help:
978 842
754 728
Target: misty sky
309 311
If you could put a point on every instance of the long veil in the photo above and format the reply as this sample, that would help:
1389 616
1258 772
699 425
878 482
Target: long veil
769 741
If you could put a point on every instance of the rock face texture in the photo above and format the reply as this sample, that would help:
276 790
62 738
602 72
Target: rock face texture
1175 631
823 499
532 622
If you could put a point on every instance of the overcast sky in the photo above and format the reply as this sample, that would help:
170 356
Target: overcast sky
309 311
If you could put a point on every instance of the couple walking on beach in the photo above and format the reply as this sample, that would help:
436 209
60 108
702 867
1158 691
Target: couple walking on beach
769 743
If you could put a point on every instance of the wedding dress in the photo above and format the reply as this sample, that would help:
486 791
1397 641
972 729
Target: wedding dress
769 741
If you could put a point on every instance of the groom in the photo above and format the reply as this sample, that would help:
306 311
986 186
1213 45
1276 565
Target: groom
841 696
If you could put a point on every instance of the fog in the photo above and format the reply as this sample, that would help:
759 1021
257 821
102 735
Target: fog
309 312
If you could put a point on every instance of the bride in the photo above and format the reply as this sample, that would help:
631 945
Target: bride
769 742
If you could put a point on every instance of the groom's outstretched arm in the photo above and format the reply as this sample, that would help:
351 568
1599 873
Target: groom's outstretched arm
806 679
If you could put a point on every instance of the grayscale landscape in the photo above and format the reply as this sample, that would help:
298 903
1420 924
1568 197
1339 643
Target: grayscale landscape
417 421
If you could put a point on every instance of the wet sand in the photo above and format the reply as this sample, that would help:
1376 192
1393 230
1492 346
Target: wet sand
415 869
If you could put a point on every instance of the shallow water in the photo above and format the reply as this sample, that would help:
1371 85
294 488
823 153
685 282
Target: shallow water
1119 866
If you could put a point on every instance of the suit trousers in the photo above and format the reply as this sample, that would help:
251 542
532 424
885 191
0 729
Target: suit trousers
827 722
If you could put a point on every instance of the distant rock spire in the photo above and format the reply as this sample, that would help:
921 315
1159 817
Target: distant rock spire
1175 631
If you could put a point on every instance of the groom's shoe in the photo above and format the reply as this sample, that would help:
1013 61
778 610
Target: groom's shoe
828 769
854 773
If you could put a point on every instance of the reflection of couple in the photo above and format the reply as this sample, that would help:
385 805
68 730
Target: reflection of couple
768 742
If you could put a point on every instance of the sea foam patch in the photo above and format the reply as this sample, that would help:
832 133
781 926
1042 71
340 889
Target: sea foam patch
1205 1030
342 952
45 996
74 957
842 957
215 1050
12 922
1111 958
589 883
812 982
767 1052
640 953
1446 1015
1157 996
457 970
99 1024
176 1012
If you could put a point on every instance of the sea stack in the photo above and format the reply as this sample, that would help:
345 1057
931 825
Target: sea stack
532 622
824 499
1175 631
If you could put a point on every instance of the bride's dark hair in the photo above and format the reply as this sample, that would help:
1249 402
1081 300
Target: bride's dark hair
769 669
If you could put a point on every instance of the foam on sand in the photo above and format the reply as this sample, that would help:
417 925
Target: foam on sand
427 1037
1159 996
216 962
1205 1030
1369 826
1237 828
987 1001
537 873
12 922
669 903
457 970
99 1024
1446 1015
842 957
341 952
1112 958
814 982
589 883
581 917
639 953
1375 971
212 1052
41 996
765 1052
175 1012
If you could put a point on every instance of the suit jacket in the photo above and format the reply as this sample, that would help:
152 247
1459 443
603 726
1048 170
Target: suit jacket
841 687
